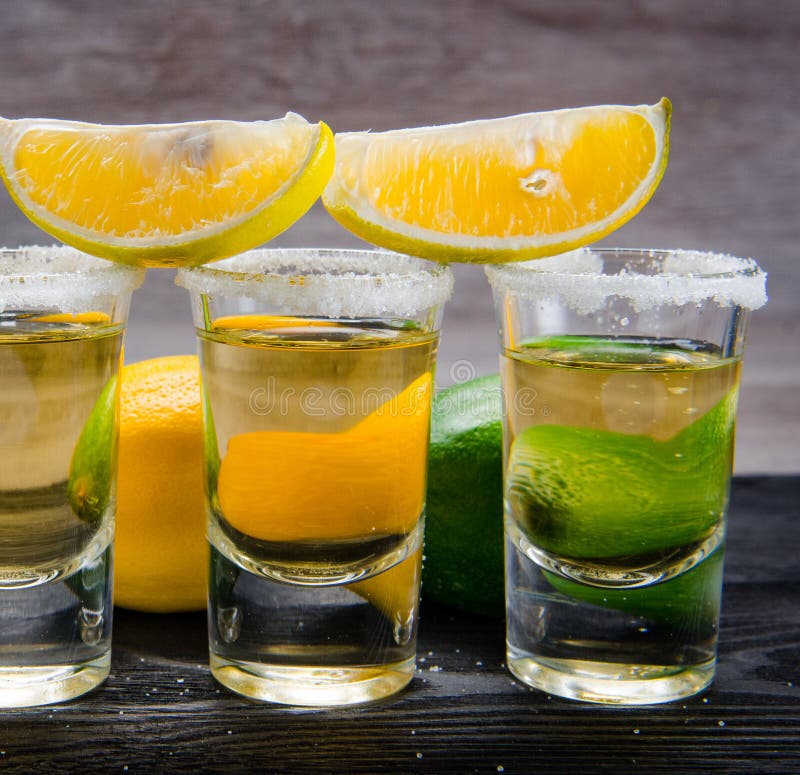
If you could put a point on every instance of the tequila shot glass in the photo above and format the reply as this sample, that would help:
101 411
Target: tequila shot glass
62 318
317 368
620 371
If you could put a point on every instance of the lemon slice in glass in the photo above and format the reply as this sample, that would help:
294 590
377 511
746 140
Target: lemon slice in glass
165 194
503 189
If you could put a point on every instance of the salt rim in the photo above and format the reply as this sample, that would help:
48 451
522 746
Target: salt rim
576 279
328 282
60 277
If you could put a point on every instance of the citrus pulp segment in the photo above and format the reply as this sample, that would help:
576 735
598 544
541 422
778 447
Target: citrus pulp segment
165 194
500 190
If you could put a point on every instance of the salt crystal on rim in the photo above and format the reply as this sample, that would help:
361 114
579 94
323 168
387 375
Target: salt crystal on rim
678 277
326 282
60 277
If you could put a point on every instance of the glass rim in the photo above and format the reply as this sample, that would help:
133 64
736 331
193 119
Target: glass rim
41 276
333 282
682 276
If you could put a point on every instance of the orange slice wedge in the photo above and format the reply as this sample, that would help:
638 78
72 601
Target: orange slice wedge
165 194
367 481
504 189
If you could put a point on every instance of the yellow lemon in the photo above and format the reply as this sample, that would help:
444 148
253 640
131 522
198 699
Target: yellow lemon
165 194
394 592
83 318
365 481
505 189
160 546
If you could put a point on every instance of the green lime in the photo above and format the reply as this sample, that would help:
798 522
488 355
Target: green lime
464 527
92 581
210 448
580 492
689 601
94 458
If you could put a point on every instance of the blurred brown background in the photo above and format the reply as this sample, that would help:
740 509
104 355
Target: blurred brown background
732 70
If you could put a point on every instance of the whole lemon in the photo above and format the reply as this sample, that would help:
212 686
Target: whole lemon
160 545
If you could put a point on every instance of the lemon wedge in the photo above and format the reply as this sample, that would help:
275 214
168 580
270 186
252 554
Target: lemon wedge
367 481
503 189
165 194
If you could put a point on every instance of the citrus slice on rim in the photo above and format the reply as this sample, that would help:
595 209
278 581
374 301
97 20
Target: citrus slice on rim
165 194
503 189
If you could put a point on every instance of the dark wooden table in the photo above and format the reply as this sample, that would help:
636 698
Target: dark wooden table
161 711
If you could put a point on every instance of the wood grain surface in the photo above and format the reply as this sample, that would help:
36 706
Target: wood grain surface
729 66
161 711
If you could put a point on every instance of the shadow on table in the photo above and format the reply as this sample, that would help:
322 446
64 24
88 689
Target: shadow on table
171 637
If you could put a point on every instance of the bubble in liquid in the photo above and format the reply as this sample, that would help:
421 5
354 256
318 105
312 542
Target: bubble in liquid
90 626
403 631
229 623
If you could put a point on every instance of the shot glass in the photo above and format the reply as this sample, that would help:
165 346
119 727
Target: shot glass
620 371
317 371
62 317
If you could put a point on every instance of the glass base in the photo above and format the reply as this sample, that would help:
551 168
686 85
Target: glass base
25 687
326 645
611 683
312 686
